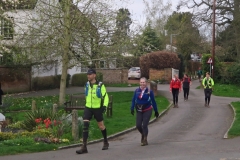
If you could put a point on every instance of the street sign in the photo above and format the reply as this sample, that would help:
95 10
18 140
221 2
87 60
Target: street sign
209 60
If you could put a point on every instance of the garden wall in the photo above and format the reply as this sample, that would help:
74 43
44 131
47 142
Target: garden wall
15 79
117 75
162 75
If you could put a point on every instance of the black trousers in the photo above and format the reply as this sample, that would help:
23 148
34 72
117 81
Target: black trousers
175 92
186 92
208 93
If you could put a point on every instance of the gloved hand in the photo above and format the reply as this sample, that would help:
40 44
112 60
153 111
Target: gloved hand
104 109
156 114
132 112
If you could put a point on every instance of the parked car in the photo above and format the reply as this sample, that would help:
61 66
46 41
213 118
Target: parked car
134 72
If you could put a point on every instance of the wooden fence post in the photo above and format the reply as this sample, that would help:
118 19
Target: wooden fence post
55 108
34 107
75 129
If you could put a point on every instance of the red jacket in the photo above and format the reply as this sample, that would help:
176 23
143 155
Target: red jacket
175 84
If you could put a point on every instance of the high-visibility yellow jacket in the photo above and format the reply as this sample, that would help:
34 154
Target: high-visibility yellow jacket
96 95
207 83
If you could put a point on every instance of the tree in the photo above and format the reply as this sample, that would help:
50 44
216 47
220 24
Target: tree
157 14
188 39
66 33
227 13
121 38
148 41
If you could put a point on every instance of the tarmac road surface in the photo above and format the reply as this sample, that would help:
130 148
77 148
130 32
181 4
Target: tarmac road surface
190 132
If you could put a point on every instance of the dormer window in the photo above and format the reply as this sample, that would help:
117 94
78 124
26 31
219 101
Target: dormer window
7 28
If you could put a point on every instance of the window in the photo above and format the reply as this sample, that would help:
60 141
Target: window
102 64
7 28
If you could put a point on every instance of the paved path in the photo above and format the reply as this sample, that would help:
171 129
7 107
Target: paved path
191 132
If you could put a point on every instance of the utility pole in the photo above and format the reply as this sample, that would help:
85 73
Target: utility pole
213 37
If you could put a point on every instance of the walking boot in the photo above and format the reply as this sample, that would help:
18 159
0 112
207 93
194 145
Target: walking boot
145 142
142 137
82 150
105 145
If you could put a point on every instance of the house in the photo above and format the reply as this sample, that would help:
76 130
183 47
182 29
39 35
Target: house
22 19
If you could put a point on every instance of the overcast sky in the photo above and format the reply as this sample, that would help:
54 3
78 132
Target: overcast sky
136 8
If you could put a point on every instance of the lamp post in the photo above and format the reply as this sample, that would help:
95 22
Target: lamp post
172 40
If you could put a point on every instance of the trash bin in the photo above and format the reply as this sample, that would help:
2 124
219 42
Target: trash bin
153 87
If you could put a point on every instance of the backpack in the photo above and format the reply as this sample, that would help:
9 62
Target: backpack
98 90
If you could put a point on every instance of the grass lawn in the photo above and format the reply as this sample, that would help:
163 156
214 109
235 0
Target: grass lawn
235 129
225 90
121 120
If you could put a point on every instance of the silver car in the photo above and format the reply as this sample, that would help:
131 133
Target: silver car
134 72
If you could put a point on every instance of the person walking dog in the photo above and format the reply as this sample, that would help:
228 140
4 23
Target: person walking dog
143 102
208 84
175 88
96 105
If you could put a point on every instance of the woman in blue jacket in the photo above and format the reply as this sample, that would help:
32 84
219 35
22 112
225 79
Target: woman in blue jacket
143 101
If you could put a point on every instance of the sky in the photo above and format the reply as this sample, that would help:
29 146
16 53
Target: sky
136 8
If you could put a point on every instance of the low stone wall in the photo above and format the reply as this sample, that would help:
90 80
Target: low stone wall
114 75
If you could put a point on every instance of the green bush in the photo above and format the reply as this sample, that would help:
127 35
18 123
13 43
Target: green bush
233 74
99 76
7 136
128 62
48 82
79 79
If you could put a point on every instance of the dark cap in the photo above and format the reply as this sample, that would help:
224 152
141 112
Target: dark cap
91 71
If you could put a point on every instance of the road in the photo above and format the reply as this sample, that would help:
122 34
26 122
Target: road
190 132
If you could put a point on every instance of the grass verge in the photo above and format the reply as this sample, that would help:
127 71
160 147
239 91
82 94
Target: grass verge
235 129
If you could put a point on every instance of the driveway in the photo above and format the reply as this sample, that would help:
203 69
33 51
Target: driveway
190 132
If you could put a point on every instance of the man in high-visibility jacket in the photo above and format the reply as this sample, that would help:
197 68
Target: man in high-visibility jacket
208 84
96 105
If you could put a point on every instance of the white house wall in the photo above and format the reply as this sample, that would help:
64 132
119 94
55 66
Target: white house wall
21 20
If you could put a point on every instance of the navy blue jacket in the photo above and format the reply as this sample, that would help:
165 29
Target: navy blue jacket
147 99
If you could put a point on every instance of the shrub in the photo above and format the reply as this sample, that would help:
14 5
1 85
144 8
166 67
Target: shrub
158 60
6 136
79 79
233 74
48 82
128 62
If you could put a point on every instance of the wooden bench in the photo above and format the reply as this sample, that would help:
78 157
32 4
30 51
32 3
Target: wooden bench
78 102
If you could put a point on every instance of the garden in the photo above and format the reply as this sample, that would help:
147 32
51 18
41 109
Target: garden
44 129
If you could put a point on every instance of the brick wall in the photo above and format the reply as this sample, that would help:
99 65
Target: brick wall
15 80
165 74
114 75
